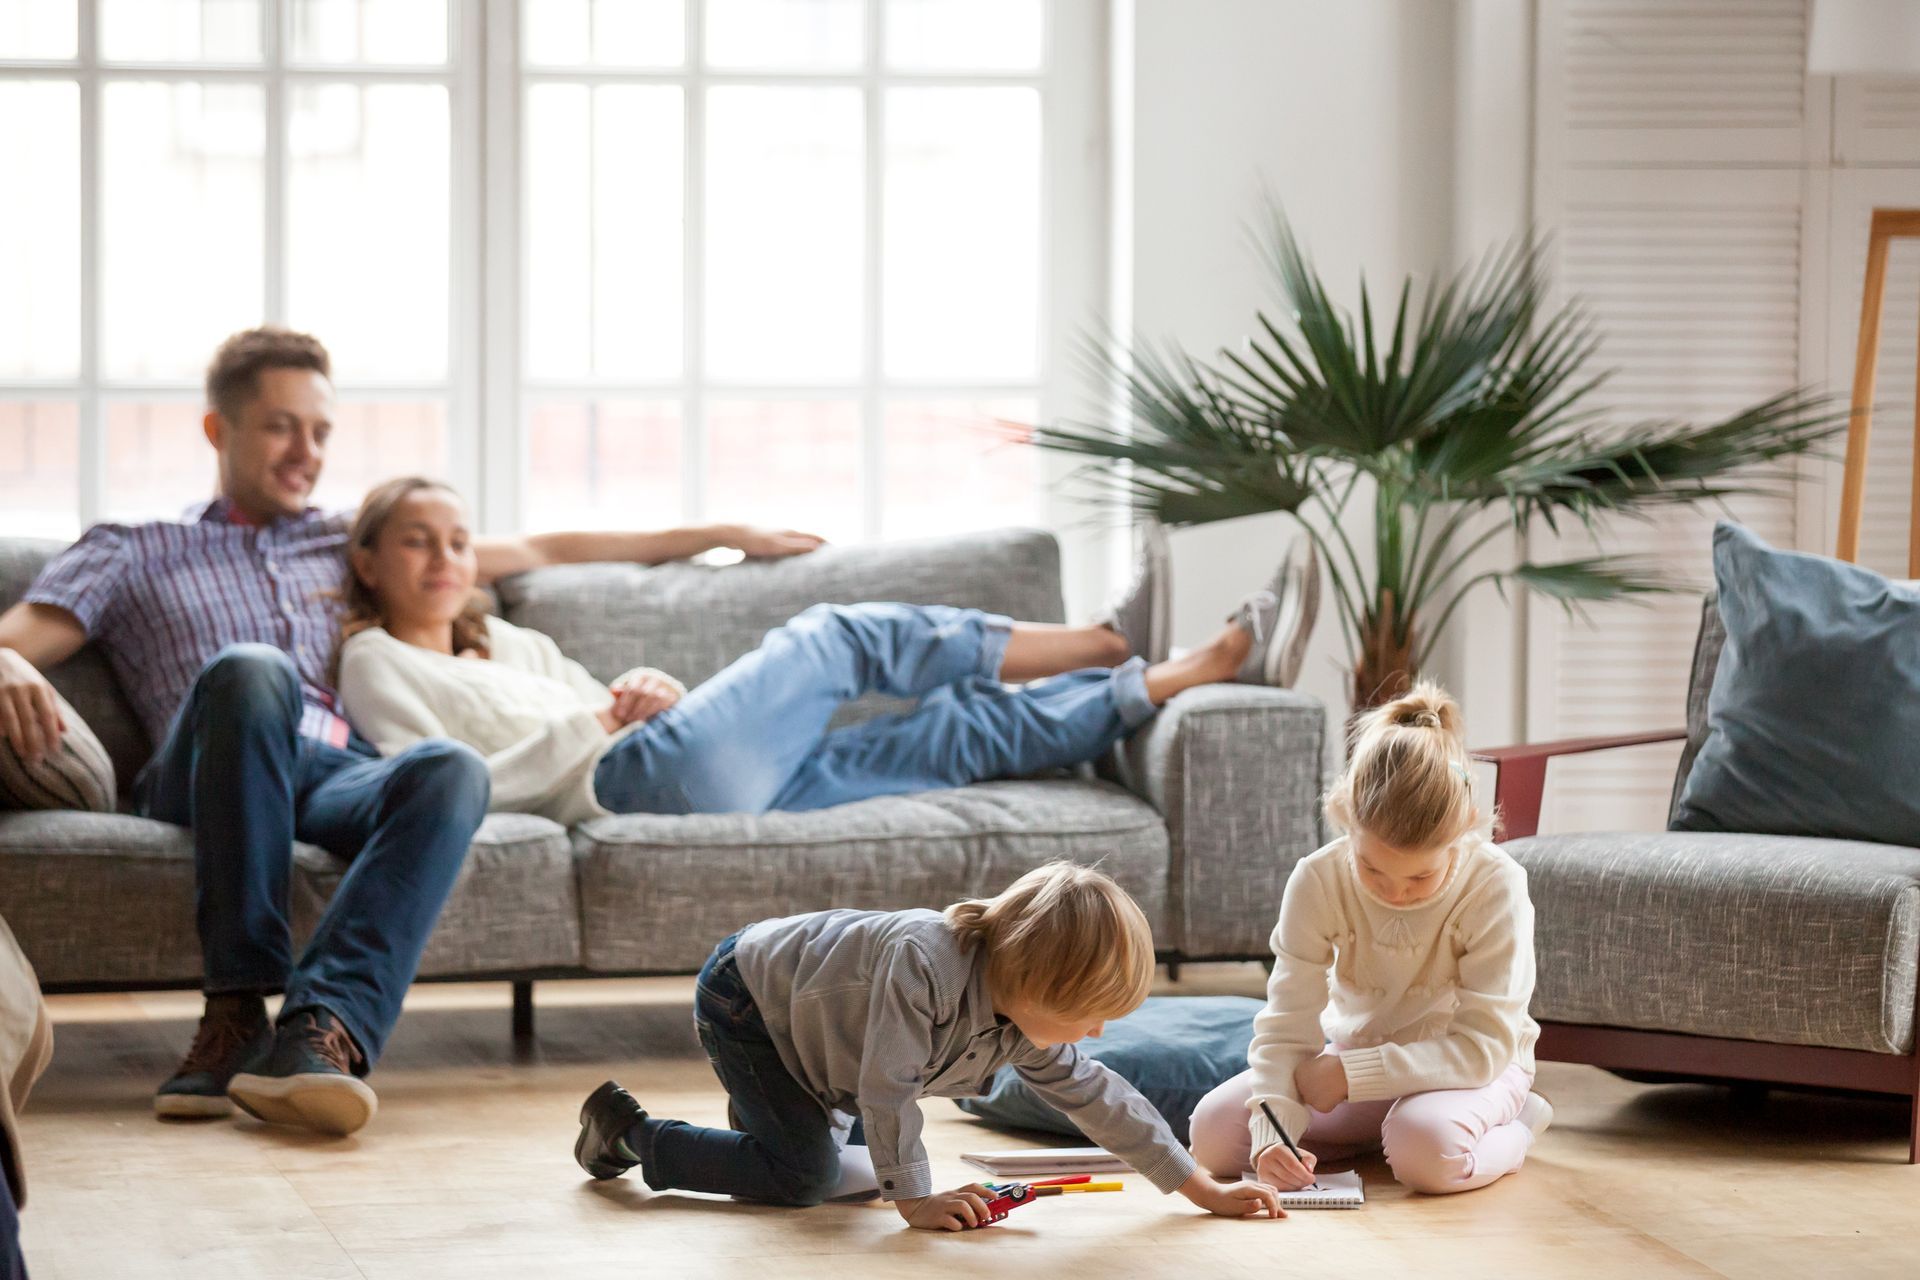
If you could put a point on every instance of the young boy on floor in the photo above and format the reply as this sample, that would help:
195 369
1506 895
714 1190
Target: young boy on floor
1403 965
814 1019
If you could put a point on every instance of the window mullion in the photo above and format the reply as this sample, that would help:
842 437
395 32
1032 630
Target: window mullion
873 442
693 276
274 179
92 480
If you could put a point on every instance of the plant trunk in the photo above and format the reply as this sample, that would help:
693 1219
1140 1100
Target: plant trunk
1384 668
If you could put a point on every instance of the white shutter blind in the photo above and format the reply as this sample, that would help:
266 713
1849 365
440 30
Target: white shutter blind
1883 522
1647 82
1877 121
1693 277
1671 146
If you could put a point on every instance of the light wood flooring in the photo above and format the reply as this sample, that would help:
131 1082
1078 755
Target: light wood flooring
467 1171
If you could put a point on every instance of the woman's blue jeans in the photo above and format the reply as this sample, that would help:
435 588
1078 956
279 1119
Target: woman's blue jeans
755 737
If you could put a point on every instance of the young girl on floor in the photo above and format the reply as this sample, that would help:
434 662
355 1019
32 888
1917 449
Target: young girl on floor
1397 1012
815 1019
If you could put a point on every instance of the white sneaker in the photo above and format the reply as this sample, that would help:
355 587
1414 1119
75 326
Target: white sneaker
1280 618
1536 1113
1143 614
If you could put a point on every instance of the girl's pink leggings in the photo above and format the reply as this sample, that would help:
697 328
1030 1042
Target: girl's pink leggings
1443 1141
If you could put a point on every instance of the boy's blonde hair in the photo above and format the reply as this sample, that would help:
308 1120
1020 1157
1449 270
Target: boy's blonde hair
1065 937
1408 783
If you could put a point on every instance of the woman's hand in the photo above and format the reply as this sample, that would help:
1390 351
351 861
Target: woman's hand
947 1210
1321 1081
639 698
1231 1199
770 544
1277 1167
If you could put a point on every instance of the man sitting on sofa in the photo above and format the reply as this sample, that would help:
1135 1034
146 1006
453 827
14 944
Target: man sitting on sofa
220 627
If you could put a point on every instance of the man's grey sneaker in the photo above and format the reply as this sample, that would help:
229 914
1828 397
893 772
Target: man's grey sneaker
233 1031
1536 1113
1143 614
308 1078
1280 619
605 1118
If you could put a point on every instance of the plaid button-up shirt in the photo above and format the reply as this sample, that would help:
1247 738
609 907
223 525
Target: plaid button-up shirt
163 598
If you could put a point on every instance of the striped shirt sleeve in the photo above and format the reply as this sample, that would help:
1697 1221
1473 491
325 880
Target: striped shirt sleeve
86 579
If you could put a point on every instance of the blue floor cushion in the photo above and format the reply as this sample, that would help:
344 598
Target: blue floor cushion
1173 1049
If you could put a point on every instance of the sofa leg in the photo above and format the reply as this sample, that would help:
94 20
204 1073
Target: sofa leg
1913 1125
522 1011
1173 971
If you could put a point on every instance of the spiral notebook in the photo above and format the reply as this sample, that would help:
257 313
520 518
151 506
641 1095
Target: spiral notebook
1329 1191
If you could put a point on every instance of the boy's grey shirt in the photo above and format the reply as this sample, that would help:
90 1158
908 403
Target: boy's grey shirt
872 1010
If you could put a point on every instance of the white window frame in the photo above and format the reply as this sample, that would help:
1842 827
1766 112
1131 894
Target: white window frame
1071 85
93 391
487 395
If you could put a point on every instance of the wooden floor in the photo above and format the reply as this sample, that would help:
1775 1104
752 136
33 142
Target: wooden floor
467 1171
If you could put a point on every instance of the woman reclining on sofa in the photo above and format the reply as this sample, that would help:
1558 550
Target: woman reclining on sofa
419 659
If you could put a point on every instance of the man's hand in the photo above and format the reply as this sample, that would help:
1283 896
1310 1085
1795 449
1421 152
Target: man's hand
947 1210
639 698
1277 1168
1321 1081
771 544
29 712
1231 1199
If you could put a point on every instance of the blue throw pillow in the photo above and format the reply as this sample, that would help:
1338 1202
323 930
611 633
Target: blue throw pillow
1816 704
1173 1049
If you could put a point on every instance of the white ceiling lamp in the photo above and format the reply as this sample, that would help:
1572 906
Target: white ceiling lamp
1864 37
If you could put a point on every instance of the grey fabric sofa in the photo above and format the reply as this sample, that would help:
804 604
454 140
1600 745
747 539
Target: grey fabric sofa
1201 816
1774 959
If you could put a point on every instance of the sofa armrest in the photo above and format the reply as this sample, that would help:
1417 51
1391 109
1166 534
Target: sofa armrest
1235 770
1520 773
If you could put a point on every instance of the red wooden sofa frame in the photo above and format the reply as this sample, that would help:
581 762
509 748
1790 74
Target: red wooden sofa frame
1520 781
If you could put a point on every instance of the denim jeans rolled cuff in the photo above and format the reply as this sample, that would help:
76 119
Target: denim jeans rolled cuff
1130 693
996 629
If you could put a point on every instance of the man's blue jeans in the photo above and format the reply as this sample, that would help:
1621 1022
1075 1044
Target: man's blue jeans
782 1148
235 769
755 737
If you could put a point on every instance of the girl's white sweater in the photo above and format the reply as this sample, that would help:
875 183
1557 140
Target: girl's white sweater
1428 996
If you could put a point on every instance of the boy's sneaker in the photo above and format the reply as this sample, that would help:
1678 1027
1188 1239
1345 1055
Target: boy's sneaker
605 1118
1144 612
1280 619
233 1032
1536 1113
308 1078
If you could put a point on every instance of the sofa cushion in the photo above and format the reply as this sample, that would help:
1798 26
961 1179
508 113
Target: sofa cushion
659 891
1815 703
516 904
1174 1049
85 679
102 898
1784 939
691 620
98 897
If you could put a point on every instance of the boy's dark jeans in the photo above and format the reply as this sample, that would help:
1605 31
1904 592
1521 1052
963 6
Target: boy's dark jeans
781 1149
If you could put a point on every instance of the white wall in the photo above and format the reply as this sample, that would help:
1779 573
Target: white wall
1345 111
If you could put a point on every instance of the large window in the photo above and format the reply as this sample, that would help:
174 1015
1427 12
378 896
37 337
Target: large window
600 262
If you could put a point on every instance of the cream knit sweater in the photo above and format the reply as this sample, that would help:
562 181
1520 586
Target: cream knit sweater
528 708
1422 997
